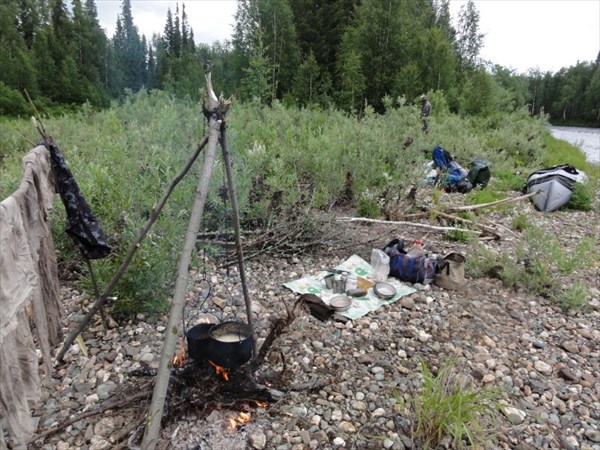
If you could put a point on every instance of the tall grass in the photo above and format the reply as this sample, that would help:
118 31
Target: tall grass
447 408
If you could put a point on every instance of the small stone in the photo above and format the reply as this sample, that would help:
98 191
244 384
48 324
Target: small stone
105 427
359 406
379 412
388 443
592 435
339 442
407 303
570 347
543 368
347 427
258 440
147 357
516 416
571 443
488 378
568 374
538 344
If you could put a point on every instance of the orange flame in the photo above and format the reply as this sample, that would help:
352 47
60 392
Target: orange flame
241 419
223 371
179 358
260 404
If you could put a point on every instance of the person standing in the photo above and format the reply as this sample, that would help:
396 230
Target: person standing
425 112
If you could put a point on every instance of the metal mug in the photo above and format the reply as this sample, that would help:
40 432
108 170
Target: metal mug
339 285
329 281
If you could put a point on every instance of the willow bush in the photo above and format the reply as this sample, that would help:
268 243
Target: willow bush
283 157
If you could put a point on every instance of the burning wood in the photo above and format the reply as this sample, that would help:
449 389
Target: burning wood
223 371
179 358
241 419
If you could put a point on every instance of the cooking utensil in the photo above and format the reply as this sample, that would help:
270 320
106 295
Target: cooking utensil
340 302
384 290
231 344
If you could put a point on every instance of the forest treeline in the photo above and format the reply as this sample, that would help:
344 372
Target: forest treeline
344 54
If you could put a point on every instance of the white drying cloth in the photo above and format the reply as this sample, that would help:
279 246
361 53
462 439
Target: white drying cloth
28 277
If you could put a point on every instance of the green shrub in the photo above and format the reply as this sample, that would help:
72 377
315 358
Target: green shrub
480 260
480 196
436 196
539 264
446 407
585 253
12 103
508 180
582 198
368 209
520 222
573 297
458 236
561 152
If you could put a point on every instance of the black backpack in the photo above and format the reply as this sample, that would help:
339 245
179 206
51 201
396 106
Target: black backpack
479 174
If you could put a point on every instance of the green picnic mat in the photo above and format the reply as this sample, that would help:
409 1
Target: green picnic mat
360 306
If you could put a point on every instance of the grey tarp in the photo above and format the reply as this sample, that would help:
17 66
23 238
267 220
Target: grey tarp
28 284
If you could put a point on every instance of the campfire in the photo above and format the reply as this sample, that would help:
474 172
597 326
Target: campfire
215 367
200 385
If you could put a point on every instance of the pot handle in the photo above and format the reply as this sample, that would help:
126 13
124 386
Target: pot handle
208 292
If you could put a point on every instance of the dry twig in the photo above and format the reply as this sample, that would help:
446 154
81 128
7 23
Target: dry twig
104 407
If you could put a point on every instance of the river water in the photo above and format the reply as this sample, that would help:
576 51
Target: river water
586 139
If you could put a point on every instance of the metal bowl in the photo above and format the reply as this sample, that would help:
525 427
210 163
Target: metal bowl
340 302
384 290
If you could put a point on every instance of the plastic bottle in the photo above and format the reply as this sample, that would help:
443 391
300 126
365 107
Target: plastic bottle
416 250
351 282
380 265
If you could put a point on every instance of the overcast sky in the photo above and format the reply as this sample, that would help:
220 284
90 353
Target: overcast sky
520 34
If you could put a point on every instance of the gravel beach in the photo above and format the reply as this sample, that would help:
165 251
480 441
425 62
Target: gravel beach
357 378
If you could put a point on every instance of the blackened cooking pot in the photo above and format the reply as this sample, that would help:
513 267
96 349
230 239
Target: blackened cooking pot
231 344
198 341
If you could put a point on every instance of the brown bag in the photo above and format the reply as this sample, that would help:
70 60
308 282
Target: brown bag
451 272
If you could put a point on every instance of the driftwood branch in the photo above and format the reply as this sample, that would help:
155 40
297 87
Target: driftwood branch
409 224
485 228
492 204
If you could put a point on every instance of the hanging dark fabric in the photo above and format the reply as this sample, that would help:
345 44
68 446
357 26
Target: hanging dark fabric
82 225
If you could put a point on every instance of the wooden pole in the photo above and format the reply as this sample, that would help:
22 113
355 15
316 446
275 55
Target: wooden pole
236 227
159 395
121 271
97 292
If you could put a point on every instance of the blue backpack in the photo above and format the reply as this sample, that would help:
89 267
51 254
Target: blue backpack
414 270
441 157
